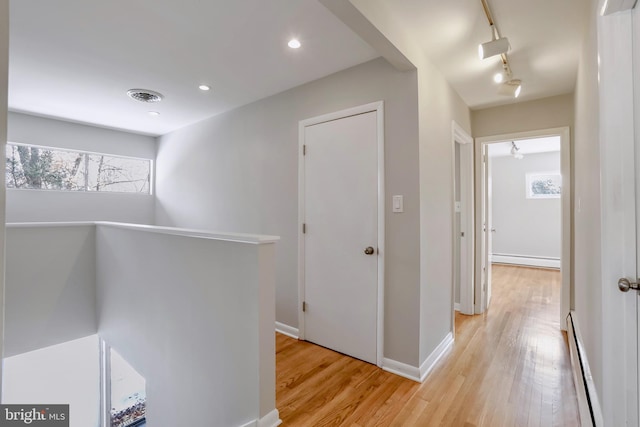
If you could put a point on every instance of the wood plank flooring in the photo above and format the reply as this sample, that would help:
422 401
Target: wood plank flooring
508 367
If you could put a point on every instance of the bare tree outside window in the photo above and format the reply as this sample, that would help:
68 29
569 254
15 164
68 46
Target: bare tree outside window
42 168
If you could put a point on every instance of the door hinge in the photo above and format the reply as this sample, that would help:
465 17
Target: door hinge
304 228
304 150
304 306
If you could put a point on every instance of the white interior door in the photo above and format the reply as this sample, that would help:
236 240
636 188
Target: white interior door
619 53
341 235
490 229
464 219
635 23
485 270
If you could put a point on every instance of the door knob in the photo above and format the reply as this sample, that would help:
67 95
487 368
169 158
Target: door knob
369 250
624 285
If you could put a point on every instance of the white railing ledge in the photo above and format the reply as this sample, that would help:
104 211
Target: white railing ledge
49 224
256 239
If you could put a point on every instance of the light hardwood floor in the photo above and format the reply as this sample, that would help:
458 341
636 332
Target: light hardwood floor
508 367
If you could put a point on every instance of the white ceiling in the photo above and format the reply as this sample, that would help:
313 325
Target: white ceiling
75 59
526 146
545 38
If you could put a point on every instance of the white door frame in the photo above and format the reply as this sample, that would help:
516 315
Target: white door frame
466 273
565 170
378 107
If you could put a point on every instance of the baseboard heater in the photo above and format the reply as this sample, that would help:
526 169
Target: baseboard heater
526 260
588 404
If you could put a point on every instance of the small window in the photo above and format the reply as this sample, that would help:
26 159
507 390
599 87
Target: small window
128 394
544 185
44 168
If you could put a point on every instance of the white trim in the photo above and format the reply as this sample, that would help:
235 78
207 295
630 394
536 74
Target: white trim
419 374
378 107
565 168
186 232
401 369
582 379
287 330
456 306
272 419
526 261
459 136
105 382
442 348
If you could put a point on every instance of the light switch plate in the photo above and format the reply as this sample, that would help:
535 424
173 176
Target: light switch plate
458 207
398 204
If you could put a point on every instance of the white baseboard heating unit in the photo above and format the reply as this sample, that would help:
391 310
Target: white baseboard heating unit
588 404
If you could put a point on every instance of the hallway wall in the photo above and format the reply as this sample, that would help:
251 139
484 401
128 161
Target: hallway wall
239 172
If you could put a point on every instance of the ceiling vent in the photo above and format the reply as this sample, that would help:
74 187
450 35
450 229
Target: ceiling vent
144 95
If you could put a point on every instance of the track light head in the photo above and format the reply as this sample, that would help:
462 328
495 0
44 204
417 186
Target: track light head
515 151
511 88
494 47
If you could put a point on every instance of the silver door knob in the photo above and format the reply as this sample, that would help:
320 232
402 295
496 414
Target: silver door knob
369 250
624 285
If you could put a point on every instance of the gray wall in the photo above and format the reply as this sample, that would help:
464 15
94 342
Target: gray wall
524 227
239 172
47 206
4 88
50 286
439 106
588 293
195 317
546 113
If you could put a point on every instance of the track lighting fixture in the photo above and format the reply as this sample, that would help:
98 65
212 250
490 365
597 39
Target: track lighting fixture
511 88
515 151
493 48
499 46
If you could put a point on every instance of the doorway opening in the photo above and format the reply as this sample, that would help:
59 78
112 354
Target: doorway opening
523 214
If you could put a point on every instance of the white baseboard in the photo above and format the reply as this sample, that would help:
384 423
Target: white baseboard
588 402
428 365
401 369
528 261
456 306
414 373
272 419
287 330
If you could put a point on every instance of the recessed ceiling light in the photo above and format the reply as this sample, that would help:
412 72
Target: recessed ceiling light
153 113
498 77
204 87
294 43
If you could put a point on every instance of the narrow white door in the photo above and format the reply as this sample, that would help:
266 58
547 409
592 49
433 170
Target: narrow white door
340 241
485 274
619 52
490 229
635 24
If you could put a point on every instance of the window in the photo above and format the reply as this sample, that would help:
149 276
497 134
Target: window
44 168
128 394
544 185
